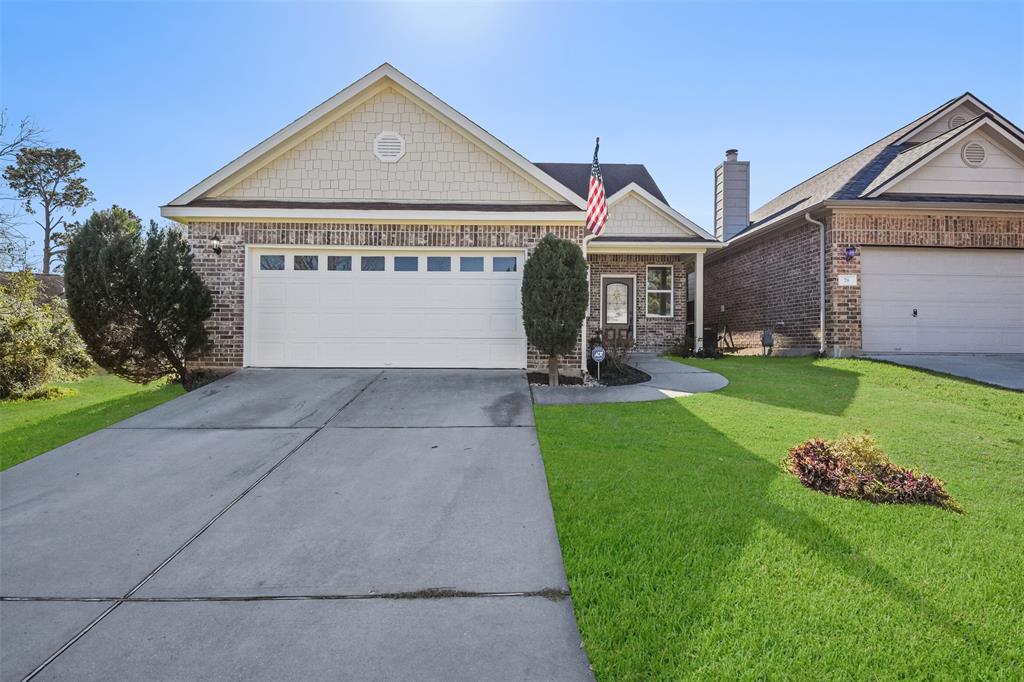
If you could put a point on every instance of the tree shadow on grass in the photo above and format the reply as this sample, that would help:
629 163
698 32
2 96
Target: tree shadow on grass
801 384
668 512
24 443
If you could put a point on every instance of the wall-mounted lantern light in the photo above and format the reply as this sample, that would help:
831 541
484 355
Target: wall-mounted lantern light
215 244
851 252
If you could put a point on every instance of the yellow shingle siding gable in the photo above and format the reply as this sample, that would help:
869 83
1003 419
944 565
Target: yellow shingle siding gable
633 217
440 163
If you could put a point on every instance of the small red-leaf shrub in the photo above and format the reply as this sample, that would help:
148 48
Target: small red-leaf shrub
841 468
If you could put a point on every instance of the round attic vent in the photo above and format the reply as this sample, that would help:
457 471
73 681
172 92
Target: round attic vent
973 154
389 146
957 120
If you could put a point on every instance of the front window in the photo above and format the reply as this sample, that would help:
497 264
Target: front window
659 291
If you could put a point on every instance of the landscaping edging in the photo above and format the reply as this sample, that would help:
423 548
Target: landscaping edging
668 380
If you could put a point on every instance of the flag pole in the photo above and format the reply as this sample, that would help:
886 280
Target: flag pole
583 332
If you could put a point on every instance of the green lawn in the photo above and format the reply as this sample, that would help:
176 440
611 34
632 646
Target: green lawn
29 428
692 554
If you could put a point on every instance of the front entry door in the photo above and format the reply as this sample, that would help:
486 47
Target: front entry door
617 307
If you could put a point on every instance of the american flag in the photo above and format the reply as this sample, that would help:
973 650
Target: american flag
597 209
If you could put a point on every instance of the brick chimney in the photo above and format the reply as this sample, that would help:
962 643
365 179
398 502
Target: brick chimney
732 196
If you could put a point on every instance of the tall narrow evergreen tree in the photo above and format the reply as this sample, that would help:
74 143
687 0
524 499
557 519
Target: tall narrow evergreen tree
555 297
135 299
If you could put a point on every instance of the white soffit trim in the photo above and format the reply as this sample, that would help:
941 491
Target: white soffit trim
667 248
986 123
675 216
185 214
356 90
952 104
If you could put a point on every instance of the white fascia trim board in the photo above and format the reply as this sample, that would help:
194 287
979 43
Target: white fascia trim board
385 71
941 111
661 207
653 248
923 161
185 214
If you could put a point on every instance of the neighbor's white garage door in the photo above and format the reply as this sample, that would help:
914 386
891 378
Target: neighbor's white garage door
967 300
395 308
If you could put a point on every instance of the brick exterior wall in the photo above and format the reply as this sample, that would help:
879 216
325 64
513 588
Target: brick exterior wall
775 277
652 333
225 273
767 282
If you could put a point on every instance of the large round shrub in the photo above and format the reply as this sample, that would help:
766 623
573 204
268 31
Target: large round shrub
135 299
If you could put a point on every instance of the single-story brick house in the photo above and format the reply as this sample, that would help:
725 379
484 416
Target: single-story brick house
913 244
385 229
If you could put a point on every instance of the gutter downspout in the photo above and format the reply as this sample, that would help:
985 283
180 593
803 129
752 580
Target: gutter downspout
583 332
821 279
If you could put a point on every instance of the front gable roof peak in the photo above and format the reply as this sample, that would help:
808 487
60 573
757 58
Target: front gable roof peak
321 115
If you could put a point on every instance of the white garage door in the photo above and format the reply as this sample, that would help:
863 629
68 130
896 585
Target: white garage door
943 300
394 308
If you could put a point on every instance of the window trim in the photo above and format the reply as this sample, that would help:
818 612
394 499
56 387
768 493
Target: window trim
670 291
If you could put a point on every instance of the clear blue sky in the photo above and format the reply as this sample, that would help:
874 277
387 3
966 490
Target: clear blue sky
157 96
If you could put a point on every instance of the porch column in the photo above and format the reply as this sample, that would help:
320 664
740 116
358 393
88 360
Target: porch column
698 303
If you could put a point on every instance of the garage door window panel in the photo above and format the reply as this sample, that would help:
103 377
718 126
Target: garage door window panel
371 263
439 264
471 264
504 264
305 263
271 262
339 263
407 263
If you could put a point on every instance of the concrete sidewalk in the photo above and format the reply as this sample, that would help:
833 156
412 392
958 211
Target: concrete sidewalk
669 379
293 524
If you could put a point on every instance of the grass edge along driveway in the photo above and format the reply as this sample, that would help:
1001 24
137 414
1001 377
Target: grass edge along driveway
32 427
691 554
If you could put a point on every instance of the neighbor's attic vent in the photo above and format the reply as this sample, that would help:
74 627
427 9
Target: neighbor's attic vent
389 146
973 154
957 120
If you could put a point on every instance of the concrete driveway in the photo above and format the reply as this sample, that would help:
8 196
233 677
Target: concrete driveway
1006 370
293 525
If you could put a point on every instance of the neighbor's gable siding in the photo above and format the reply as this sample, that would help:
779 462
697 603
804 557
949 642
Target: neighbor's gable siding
1002 173
633 217
941 125
440 163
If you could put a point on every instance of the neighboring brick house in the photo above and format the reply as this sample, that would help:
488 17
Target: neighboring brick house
383 228
919 236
